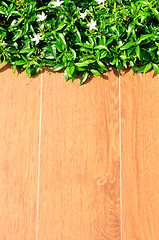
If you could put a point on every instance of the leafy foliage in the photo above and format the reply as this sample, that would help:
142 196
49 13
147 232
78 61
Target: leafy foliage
73 36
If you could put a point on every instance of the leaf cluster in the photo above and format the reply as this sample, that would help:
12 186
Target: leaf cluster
80 36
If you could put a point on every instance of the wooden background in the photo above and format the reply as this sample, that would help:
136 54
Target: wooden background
89 187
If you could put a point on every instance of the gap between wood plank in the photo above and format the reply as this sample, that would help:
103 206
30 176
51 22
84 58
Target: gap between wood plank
37 216
120 159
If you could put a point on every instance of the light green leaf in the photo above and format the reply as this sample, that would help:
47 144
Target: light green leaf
141 70
62 38
60 27
95 72
128 45
147 67
3 10
156 67
101 47
58 67
102 65
144 37
20 62
66 74
137 49
18 35
84 78
25 50
82 64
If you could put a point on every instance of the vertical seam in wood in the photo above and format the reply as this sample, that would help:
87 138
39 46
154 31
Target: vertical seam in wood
120 158
38 184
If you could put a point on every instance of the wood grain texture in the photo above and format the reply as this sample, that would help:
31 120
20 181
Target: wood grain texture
79 177
19 129
140 156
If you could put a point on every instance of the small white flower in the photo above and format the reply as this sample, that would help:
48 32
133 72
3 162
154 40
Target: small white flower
2 43
87 11
92 25
57 3
83 15
41 17
36 38
100 1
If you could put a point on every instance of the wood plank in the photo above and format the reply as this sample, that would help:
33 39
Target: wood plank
19 129
79 177
140 156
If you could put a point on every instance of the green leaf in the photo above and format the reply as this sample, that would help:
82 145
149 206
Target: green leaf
147 67
86 45
141 70
3 10
155 12
66 74
81 69
35 70
123 57
100 47
144 37
4 4
128 45
129 30
18 35
49 56
60 27
62 38
2 29
155 67
110 40
137 49
73 76
53 50
118 65
58 47
58 67
145 56
15 23
95 72
72 69
25 50
84 78
28 70
74 53
20 62
103 54
102 65
82 64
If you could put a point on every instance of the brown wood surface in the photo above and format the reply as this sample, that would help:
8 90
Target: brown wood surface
19 129
79 197
79 176
140 156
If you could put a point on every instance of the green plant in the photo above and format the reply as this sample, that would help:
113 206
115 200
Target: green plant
87 36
